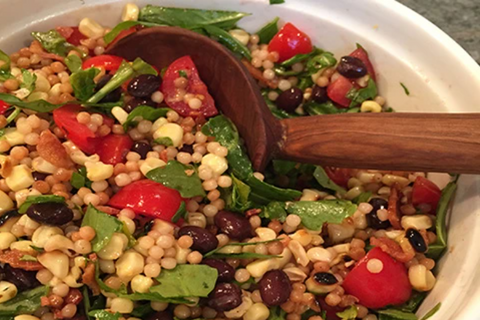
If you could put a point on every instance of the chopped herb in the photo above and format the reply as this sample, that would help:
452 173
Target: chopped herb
54 43
104 225
125 25
164 141
301 57
348 314
181 213
74 63
104 287
153 296
146 113
277 1
104 315
141 67
237 196
24 303
5 59
38 249
361 95
396 314
183 73
277 313
244 255
323 179
28 80
214 252
362 197
274 211
27 257
39 199
79 179
407 92
320 62
83 83
314 109
268 31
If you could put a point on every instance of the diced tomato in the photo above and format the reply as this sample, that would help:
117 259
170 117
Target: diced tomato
331 312
339 175
361 54
195 86
106 61
72 34
122 35
338 89
3 107
113 148
425 191
148 198
390 286
290 41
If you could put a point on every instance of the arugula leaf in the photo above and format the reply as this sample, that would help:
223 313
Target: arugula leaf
236 198
305 82
277 1
74 63
146 113
103 285
109 37
79 179
214 252
323 179
268 31
28 81
270 191
104 225
39 199
430 313
141 67
153 296
142 311
181 213
228 41
184 281
348 314
301 57
362 197
104 315
37 105
164 141
320 61
24 302
397 314
274 211
313 108
83 84
315 213
190 18
5 58
359 96
407 92
174 175
277 313
435 251
53 42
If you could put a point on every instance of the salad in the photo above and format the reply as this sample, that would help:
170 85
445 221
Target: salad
126 194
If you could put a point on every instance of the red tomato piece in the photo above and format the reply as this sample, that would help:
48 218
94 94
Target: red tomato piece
72 34
106 61
377 290
149 198
425 191
113 148
338 89
3 107
195 86
123 34
339 175
331 312
290 41
361 54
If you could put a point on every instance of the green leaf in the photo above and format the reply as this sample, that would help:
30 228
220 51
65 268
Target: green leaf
123 74
28 80
237 197
315 213
164 141
216 252
277 313
104 287
413 303
153 296
186 280
268 31
37 105
39 199
83 84
397 314
104 315
99 302
146 113
407 92
74 63
274 211
141 67
244 255
271 192
277 1
180 177
323 180
320 62
228 41
86 301
283 167
27 257
190 18
79 179
104 225
53 42
313 108
301 57
436 250
181 213
6 61
362 197
348 314
24 303
430 313
131 239
361 95
38 249
109 37
305 82
142 311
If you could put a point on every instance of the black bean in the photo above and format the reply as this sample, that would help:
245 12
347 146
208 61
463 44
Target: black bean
203 240
325 278
275 287
372 218
290 99
51 213
225 297
7 215
142 148
188 148
233 225
37 176
351 67
160 315
22 279
112 96
135 102
319 94
226 273
144 85
416 240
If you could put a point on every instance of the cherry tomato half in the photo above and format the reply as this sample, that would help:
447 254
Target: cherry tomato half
290 41
3 107
106 61
425 191
339 175
113 148
361 54
338 89
72 34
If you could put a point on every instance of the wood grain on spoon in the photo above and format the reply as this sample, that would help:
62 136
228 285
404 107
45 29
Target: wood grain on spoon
393 141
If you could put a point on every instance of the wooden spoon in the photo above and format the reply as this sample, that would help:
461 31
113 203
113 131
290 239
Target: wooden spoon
387 141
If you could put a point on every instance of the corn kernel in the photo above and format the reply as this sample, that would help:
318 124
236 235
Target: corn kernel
130 12
258 311
172 131
98 171
90 28
417 222
120 114
6 202
41 165
217 164
370 106
240 35
150 164
14 137
8 291
20 178
56 262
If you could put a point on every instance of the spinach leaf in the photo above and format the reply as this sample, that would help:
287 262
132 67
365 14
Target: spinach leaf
37 105
413 303
24 302
359 96
53 42
104 315
362 197
38 249
274 211
109 37
268 31
74 63
236 244
164 141
323 180
277 1
181 213
237 197
190 18
99 302
28 80
153 296
348 314
86 301
244 255
180 177
39 199
396 314
283 167
315 213
83 84
301 57
79 179
313 108
277 313
185 281
320 61
228 41
305 82
141 67
270 191
142 311
104 225
103 285
430 313
5 59
435 251
146 113
407 92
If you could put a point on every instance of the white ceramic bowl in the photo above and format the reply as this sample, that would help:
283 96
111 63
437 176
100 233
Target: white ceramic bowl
404 48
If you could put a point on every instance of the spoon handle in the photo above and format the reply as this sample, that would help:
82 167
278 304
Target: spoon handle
385 141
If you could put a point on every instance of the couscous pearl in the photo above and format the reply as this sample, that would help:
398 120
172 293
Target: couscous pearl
213 195
165 241
263 54
146 242
128 213
256 62
242 275
185 242
259 176
209 185
98 50
69 310
194 257
96 119
297 67
196 157
200 137
224 181
144 126
195 103
267 64
255 222
92 199
222 239
365 208
272 95
322 81
122 180
152 270
284 85
180 82
99 186
192 206
293 220
169 263
184 157
182 312
204 174
269 74
254 39
82 246
61 290
374 266
157 97
221 151
172 116
212 146
87 233
156 252
170 253
210 210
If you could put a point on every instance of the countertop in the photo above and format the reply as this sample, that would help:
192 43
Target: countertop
458 18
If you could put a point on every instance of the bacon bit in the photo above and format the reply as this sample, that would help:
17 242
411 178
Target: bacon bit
45 301
163 155
109 210
88 276
394 249
252 212
65 32
393 212
57 314
257 74
74 296
46 55
12 257
52 150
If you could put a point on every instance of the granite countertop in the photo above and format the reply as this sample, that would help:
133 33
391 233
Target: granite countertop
458 18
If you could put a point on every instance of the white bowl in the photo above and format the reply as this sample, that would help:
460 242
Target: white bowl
404 47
